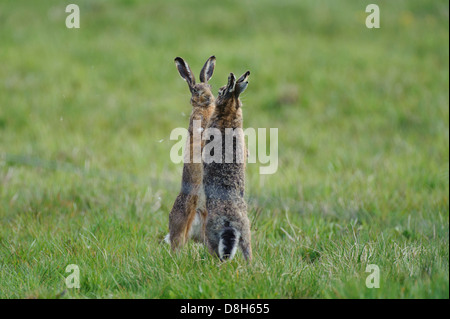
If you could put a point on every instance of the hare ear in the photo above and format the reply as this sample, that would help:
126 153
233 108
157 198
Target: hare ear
231 85
185 71
242 83
208 69
244 77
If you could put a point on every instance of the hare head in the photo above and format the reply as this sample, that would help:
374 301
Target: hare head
201 92
228 98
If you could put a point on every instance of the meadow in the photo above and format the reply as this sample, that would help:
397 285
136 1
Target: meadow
363 142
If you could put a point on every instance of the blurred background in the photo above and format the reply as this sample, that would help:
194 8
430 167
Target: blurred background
362 114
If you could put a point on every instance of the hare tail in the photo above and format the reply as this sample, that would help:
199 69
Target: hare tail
228 244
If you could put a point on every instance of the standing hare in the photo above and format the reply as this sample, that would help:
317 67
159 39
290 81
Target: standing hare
227 224
187 209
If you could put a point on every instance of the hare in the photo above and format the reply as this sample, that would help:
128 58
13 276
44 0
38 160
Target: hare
186 208
227 224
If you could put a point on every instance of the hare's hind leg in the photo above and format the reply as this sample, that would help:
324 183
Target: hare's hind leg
181 218
192 188
191 212
245 242
197 231
199 224
178 222
246 250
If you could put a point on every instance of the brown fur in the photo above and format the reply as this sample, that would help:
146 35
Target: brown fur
224 183
187 203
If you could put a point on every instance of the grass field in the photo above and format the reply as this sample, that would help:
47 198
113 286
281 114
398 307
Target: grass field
363 121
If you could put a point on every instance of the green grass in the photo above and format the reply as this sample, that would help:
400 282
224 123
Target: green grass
363 120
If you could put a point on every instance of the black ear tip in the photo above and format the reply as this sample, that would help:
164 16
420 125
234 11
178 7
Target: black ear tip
247 73
178 60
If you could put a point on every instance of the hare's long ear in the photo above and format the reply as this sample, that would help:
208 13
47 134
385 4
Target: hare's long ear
244 77
242 83
231 85
185 72
208 69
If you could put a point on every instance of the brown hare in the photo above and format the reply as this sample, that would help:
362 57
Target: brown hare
186 210
227 224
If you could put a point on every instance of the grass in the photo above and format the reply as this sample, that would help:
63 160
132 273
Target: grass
362 115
